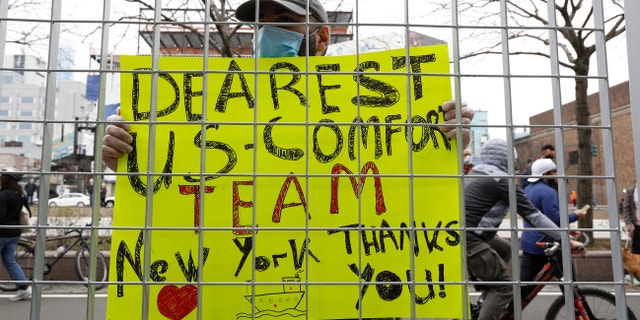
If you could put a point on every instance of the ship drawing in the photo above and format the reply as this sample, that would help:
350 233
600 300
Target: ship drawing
284 301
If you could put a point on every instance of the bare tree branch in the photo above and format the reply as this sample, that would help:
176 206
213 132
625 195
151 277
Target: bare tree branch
577 44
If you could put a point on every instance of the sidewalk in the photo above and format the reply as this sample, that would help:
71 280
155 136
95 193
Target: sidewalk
600 226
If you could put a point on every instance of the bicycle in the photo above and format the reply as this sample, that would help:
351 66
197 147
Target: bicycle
589 303
25 257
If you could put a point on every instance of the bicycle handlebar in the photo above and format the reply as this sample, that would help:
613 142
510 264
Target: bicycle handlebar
78 230
552 247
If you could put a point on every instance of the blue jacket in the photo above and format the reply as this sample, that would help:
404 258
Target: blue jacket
545 198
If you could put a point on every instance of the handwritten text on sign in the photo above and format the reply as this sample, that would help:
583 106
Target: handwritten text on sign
321 188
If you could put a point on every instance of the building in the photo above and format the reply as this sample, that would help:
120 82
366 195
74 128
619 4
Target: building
22 114
26 70
529 146
176 39
479 134
387 41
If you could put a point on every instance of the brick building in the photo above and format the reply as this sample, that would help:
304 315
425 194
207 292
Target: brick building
529 146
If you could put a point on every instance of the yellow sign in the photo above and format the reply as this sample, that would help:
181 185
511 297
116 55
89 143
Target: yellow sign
288 188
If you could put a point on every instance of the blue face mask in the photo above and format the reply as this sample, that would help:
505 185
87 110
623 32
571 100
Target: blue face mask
276 42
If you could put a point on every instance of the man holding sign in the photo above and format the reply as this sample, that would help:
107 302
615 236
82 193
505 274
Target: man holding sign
375 231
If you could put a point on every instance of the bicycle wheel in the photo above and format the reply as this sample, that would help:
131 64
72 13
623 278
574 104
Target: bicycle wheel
601 303
83 260
24 257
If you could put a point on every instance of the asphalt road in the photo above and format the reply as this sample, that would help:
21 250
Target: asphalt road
63 302
59 302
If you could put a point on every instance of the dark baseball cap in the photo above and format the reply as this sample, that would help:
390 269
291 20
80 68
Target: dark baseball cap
247 10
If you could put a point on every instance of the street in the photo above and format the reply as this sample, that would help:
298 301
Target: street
69 302
66 304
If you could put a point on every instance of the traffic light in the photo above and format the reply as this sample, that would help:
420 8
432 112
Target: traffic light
594 150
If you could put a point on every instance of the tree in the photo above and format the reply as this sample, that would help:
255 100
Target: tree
186 14
576 40
31 38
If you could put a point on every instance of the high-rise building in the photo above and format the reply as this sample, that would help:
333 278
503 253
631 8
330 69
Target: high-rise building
27 70
22 110
479 134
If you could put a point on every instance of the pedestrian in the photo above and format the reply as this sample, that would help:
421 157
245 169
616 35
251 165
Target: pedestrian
103 193
574 198
53 193
543 194
631 215
12 200
283 40
89 190
525 172
31 189
621 206
486 196
546 152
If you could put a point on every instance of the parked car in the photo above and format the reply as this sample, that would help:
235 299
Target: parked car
109 202
70 199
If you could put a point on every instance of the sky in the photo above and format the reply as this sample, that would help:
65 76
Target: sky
481 86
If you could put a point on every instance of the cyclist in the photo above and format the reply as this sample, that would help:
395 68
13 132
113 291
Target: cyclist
486 195
12 199
543 193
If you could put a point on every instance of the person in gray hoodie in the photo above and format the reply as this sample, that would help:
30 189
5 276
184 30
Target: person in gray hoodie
486 196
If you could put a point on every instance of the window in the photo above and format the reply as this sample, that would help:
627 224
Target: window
573 157
5 99
27 100
24 138
7 78
4 113
26 113
4 125
25 126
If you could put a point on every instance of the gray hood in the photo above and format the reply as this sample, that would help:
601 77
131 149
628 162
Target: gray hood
494 152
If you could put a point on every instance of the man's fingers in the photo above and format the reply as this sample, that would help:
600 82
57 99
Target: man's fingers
449 105
109 152
466 113
116 142
119 131
116 118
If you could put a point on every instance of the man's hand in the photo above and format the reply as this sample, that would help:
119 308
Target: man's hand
580 213
630 228
466 113
576 247
117 141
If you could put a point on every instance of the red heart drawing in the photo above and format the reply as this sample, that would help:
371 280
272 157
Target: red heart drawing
176 303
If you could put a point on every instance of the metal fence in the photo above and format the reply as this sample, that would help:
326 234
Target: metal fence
465 26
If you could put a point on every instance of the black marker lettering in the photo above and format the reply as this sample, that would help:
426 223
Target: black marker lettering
389 95
280 153
135 97
326 108
364 129
189 93
216 145
294 72
323 157
415 61
225 91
